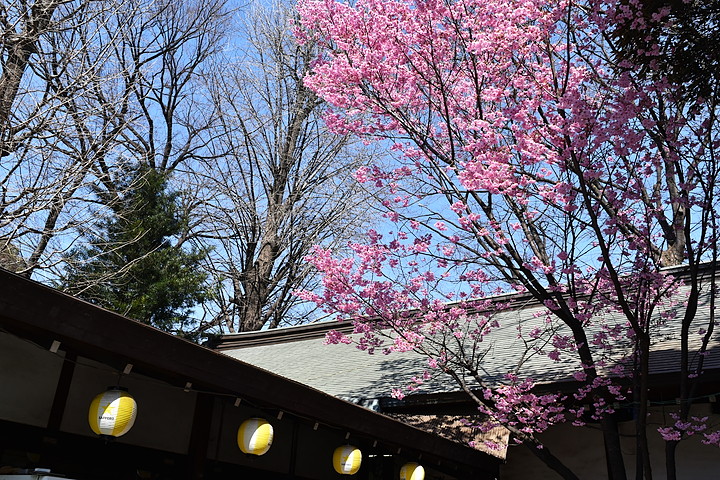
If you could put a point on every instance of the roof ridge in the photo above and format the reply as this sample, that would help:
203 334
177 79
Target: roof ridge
515 301
278 335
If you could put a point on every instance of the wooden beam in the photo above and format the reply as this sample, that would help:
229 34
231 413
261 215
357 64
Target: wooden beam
200 435
61 392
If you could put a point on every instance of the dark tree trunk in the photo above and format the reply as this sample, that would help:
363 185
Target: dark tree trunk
613 452
18 52
544 454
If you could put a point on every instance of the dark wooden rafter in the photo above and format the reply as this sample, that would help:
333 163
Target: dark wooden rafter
61 392
199 438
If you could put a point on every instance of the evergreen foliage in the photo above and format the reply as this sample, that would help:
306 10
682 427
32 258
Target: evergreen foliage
131 265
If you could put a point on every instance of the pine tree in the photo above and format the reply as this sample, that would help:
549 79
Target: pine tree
131 266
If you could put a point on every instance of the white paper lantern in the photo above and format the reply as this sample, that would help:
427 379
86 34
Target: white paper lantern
112 413
347 459
412 471
255 436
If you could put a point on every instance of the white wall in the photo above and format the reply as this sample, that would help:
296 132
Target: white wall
28 380
164 412
582 450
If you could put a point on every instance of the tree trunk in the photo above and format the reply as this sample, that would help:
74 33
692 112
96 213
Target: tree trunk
611 436
18 52
544 454
643 450
670 465
613 452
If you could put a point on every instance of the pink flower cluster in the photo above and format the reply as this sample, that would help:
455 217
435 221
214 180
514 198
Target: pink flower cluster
687 428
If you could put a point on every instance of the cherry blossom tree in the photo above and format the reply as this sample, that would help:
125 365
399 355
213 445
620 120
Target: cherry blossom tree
534 157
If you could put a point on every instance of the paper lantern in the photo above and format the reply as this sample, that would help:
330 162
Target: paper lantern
112 413
412 471
347 459
255 436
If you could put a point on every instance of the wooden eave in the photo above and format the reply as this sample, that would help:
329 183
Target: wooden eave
277 335
44 315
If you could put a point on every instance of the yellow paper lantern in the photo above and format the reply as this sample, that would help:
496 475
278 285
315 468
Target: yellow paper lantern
347 459
412 471
255 436
112 413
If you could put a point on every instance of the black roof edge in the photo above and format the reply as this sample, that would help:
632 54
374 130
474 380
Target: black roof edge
232 341
36 311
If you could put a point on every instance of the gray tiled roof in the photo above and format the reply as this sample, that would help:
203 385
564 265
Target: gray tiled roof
339 370
298 353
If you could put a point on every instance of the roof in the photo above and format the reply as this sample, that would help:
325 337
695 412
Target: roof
355 375
46 316
462 430
299 353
